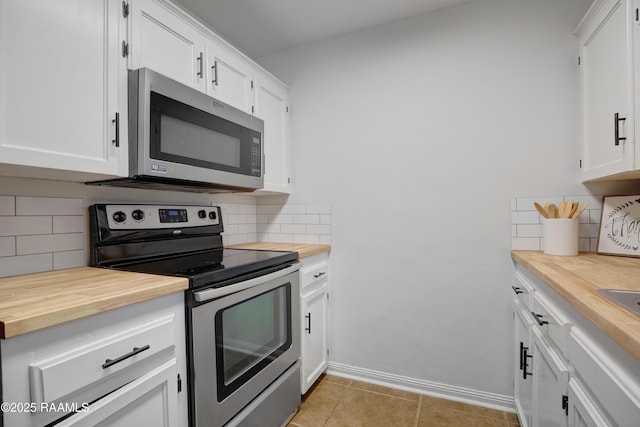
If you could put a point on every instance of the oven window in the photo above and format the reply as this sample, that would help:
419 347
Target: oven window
250 335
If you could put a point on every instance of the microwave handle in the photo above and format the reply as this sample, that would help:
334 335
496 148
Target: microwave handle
209 294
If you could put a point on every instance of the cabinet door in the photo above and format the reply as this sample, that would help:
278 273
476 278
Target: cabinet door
607 90
550 378
229 79
582 411
271 106
168 45
151 400
523 381
62 85
314 336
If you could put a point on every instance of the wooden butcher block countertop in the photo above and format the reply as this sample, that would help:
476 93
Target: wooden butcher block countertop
303 250
37 301
577 278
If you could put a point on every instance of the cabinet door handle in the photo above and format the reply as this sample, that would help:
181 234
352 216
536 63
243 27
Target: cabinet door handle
322 273
200 60
517 290
525 365
214 67
616 128
538 318
116 121
521 355
136 350
308 329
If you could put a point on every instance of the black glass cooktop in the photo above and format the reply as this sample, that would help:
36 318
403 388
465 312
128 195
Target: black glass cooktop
212 267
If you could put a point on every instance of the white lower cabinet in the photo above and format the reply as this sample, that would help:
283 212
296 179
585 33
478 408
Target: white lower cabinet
567 371
314 290
125 367
149 400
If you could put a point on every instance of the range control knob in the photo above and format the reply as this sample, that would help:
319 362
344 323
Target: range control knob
202 214
119 216
138 215
212 215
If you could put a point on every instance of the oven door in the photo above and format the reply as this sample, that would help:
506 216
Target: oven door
244 337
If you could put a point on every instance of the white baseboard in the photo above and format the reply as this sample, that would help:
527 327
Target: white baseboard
445 391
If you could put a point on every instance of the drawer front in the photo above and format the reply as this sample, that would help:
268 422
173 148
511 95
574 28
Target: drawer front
313 274
60 375
551 320
523 290
613 387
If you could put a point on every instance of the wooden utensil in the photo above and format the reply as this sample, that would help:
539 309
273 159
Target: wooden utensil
552 211
540 209
580 209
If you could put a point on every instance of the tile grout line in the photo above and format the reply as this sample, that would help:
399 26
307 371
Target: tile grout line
337 402
415 423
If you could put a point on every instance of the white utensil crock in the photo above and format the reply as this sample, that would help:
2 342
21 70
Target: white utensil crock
560 236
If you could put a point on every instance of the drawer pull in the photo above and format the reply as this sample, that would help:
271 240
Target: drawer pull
517 290
526 356
136 350
538 318
308 329
322 273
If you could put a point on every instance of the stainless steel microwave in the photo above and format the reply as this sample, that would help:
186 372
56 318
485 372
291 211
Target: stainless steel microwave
183 139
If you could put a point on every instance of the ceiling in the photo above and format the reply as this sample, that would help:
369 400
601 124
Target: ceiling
263 27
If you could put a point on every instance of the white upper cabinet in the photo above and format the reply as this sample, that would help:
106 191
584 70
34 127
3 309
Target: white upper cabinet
607 82
63 82
272 107
229 79
160 40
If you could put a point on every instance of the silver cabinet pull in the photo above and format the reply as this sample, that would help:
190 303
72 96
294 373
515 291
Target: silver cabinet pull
322 273
200 60
214 67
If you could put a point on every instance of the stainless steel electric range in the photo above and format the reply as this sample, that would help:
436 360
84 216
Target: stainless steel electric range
242 308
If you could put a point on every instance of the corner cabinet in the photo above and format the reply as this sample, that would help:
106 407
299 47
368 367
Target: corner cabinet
272 107
63 89
125 367
314 295
609 71
568 372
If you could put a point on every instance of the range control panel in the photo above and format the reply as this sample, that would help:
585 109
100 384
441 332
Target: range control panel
130 217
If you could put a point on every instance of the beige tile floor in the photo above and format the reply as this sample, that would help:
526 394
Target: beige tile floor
340 402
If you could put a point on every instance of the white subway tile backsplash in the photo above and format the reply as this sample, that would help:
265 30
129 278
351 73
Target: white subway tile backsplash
7 246
268 228
281 219
293 228
528 231
525 217
247 209
69 259
325 219
268 209
318 209
237 219
25 225
7 205
293 209
48 206
325 239
12 266
49 243
318 229
68 224
306 219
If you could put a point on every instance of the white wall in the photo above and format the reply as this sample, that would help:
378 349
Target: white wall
419 134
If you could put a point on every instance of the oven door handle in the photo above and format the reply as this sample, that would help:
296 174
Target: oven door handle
209 294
